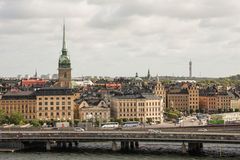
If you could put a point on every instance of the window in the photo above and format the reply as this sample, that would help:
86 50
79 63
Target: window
63 98
69 98
46 98
57 98
40 103
69 103
51 98
57 103
40 114
57 108
46 103
63 108
69 113
69 108
63 103
51 108
51 103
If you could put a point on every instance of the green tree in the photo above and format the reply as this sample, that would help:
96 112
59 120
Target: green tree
137 119
149 120
16 118
35 123
2 117
191 111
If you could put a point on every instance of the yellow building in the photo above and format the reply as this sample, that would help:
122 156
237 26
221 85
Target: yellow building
178 101
55 104
159 90
193 93
23 102
142 107
184 97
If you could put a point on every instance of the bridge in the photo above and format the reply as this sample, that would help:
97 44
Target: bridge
128 139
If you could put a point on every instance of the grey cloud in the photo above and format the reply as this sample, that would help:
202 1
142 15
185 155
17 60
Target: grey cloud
121 37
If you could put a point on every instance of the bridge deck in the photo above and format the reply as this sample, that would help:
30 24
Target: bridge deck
43 136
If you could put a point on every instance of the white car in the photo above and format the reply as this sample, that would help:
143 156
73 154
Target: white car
79 129
154 131
202 130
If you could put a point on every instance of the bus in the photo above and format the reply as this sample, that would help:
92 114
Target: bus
131 124
111 125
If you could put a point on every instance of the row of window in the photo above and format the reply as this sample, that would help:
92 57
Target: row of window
54 114
52 103
17 102
140 109
18 108
54 108
127 115
52 98
139 104
178 100
23 111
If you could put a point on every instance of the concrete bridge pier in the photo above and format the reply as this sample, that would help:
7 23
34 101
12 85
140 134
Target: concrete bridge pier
195 148
114 146
132 146
136 144
129 145
124 145
48 146
70 145
59 145
184 148
76 144
64 145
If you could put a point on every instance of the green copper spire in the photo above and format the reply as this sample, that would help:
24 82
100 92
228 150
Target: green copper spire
64 60
64 48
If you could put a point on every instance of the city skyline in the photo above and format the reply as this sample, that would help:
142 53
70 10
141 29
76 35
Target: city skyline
121 38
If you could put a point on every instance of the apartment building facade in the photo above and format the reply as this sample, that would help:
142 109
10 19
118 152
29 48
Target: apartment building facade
142 107
55 104
23 102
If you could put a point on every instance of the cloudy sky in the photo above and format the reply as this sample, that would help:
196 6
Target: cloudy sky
121 37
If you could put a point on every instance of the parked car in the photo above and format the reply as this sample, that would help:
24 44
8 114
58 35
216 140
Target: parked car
130 124
79 129
202 130
111 125
154 131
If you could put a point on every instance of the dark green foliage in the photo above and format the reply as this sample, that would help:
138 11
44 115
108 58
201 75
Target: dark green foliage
16 118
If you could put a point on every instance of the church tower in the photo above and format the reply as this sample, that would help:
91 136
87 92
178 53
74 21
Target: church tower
64 66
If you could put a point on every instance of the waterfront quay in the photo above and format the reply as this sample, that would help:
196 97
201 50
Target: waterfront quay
124 140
